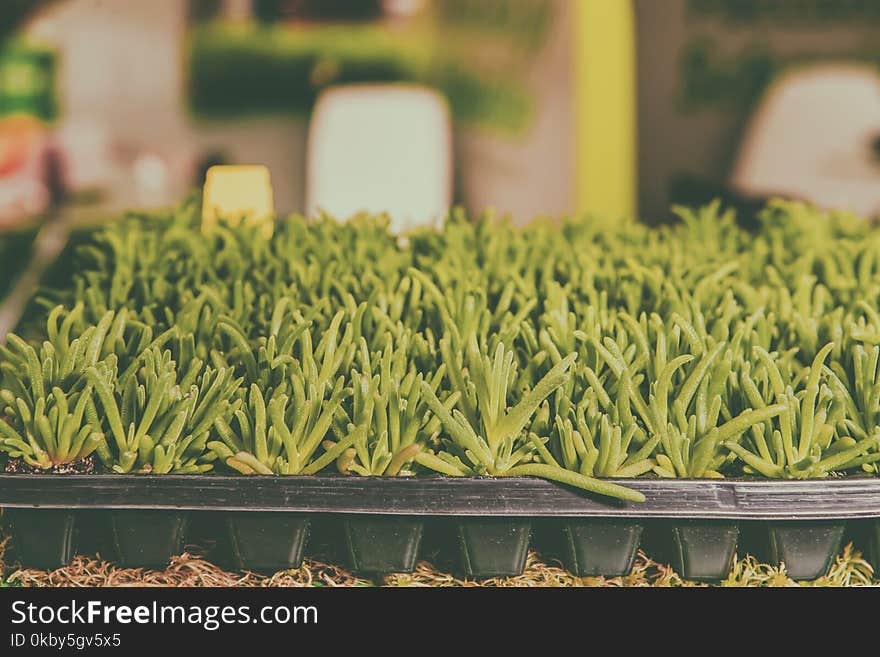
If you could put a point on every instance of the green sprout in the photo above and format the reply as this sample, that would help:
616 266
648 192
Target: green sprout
857 386
305 392
281 437
801 444
487 436
155 426
44 401
53 433
390 415
598 445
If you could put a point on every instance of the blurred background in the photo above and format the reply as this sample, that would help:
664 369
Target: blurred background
616 108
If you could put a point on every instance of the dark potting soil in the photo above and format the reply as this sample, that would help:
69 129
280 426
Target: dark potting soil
83 466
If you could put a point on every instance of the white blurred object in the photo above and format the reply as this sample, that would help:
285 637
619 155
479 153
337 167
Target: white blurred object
87 152
381 148
151 180
813 138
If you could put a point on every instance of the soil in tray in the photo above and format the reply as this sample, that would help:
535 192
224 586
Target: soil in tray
148 538
41 538
494 547
383 544
268 541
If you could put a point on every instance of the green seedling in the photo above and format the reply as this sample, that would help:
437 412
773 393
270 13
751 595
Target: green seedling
598 445
492 440
53 432
390 416
284 434
801 443
855 382
280 437
156 427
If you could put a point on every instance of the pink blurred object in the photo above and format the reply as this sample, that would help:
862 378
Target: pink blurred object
25 156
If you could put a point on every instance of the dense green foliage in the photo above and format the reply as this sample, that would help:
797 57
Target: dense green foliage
575 352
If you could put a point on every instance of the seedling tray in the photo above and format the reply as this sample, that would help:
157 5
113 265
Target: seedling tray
490 519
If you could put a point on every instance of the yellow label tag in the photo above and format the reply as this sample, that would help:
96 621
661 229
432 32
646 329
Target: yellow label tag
239 193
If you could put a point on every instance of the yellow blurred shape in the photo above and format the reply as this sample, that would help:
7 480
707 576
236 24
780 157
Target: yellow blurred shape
605 108
239 193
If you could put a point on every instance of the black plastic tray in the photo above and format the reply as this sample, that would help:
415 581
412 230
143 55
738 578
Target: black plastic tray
489 523
831 499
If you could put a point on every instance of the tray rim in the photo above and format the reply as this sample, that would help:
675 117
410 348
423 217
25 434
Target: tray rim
735 499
